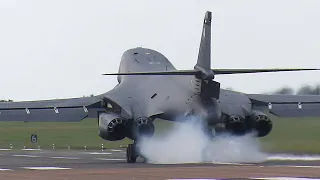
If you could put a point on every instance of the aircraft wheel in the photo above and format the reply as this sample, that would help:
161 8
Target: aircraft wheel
131 153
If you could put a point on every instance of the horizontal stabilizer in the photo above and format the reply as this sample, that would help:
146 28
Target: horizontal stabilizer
215 71
245 71
178 72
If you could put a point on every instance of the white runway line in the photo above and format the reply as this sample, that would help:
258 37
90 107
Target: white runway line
46 168
108 159
31 149
294 158
116 150
99 153
4 169
285 178
296 166
24 155
193 179
5 149
64 157
238 164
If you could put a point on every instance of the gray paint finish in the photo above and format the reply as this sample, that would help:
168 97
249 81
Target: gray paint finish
151 87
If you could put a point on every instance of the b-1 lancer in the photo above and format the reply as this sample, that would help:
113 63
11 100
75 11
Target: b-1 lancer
150 87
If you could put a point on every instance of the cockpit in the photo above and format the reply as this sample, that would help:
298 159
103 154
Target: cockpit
142 60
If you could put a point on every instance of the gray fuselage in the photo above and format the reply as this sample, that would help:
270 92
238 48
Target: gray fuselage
169 96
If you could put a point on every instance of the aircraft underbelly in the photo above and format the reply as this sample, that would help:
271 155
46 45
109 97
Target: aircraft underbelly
234 103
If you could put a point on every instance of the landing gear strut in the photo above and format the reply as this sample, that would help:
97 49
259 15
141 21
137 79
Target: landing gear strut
132 153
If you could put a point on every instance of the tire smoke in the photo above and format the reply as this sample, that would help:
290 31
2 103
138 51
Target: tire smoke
187 143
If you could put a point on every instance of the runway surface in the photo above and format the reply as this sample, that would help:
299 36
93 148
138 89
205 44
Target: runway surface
111 164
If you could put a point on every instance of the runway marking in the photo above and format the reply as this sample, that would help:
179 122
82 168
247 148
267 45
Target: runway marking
116 150
4 169
5 149
46 168
193 179
285 178
266 178
108 159
31 149
99 153
23 155
239 164
64 157
294 158
296 166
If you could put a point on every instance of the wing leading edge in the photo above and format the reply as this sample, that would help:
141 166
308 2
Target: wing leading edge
65 110
215 71
287 105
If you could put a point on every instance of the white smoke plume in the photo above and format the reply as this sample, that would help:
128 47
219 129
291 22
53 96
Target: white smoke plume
186 143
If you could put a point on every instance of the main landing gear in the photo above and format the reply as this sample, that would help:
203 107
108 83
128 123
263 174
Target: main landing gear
132 153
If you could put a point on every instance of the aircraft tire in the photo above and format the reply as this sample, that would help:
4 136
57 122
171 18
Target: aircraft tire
131 154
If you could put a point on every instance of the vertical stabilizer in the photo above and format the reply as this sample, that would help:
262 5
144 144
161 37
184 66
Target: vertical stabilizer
204 56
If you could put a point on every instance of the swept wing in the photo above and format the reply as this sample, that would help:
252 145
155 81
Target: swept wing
65 110
287 105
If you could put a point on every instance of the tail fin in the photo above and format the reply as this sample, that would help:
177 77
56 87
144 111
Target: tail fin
202 69
204 56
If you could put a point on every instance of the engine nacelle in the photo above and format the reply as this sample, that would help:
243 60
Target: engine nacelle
112 127
262 124
236 125
142 127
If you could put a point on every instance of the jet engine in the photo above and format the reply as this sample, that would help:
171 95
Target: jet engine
262 124
142 127
112 127
236 125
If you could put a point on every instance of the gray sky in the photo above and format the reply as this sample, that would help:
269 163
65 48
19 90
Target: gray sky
60 48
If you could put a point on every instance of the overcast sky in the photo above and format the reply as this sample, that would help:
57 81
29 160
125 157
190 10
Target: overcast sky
60 48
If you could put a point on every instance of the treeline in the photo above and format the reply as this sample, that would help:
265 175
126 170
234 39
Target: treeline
304 90
9 100
91 95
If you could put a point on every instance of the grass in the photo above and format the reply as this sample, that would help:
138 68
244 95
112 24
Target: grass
296 135
76 135
299 135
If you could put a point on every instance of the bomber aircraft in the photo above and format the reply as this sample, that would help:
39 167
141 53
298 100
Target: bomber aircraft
150 87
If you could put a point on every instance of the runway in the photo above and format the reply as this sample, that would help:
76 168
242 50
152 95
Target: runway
111 164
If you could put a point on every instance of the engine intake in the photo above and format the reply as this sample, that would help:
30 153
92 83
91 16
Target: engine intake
143 127
236 125
262 124
112 127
